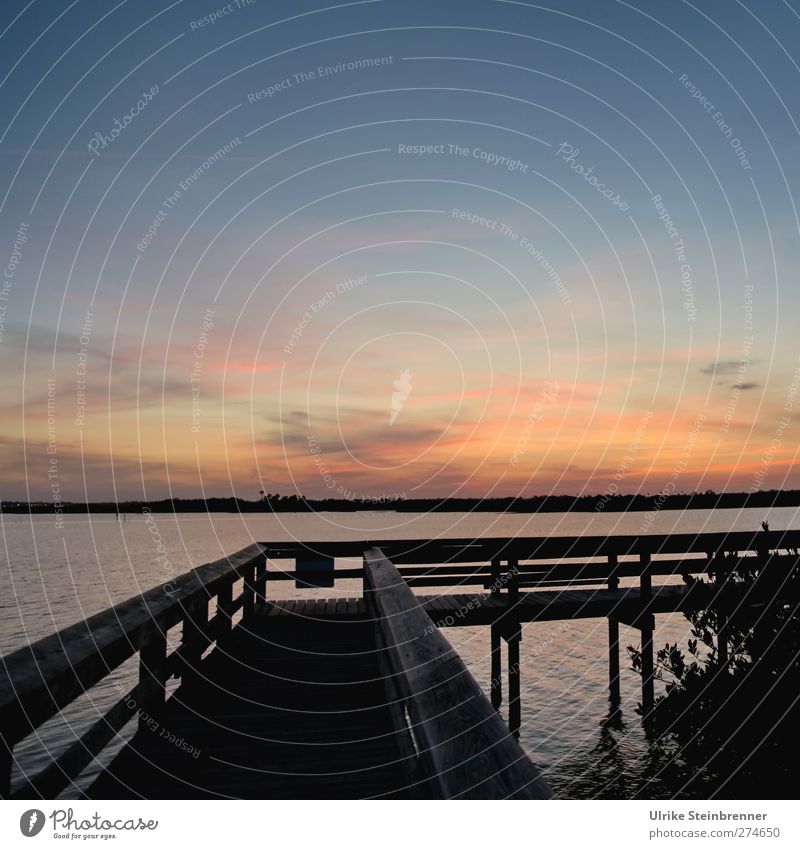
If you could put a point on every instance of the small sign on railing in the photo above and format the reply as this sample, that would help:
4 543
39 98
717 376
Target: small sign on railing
314 573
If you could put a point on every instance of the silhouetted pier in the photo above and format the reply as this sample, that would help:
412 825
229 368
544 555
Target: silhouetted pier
348 697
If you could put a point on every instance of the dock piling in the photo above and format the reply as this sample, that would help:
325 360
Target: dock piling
496 684
647 627
613 659
613 638
648 690
514 701
513 638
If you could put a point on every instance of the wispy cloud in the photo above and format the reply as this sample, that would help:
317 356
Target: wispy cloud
722 367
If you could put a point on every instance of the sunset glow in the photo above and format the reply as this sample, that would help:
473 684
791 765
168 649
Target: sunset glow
250 263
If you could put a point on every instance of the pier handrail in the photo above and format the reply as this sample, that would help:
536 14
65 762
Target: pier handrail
483 549
39 680
555 561
466 750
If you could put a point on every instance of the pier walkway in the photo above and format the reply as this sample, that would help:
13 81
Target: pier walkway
278 712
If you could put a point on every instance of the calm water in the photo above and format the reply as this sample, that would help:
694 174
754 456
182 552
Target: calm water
50 578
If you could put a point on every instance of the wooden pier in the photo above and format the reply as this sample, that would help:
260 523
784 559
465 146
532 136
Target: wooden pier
346 697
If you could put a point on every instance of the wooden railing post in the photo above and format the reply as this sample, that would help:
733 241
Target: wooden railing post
513 582
613 637
193 641
153 673
364 579
261 580
647 626
248 591
224 606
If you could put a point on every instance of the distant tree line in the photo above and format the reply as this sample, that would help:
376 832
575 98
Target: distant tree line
276 503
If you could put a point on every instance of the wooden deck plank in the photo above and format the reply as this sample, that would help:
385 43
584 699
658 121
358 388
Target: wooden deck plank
278 609
433 602
301 608
446 604
312 607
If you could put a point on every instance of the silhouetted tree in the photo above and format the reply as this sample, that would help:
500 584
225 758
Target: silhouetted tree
731 716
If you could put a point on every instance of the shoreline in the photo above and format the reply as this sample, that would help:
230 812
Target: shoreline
535 504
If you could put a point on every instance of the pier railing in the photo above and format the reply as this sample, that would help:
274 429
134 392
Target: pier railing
38 681
561 562
554 561
462 744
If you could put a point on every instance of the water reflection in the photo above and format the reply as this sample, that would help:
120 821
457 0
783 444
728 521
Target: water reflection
618 767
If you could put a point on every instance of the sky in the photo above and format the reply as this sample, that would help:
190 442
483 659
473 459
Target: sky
389 248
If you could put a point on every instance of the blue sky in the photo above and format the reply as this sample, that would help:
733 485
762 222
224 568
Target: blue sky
694 103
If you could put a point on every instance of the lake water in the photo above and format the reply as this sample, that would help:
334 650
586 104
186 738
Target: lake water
53 577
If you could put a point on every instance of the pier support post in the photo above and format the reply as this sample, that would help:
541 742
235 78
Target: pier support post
648 690
514 702
513 637
496 684
613 638
613 660
647 627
